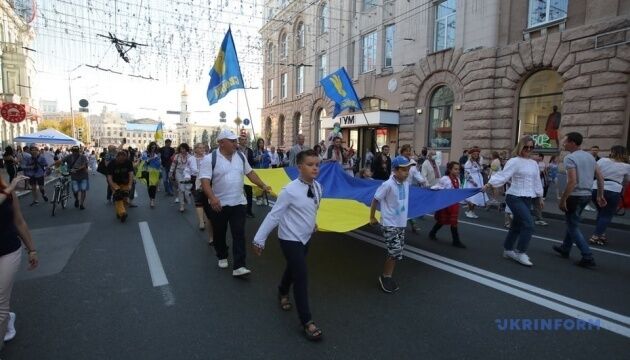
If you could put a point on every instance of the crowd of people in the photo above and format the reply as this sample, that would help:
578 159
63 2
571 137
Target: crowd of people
212 180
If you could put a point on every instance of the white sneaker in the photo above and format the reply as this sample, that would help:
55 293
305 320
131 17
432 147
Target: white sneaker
242 271
589 208
471 215
10 328
509 254
223 263
541 222
259 202
176 200
523 259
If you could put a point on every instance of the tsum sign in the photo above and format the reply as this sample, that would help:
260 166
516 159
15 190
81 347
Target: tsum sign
346 120
370 118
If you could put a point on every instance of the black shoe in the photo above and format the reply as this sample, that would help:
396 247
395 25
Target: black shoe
123 217
76 203
459 244
586 263
250 215
34 203
388 284
45 198
432 237
560 251
82 207
133 205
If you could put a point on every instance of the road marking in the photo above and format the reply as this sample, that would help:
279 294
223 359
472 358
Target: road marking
158 276
546 239
509 286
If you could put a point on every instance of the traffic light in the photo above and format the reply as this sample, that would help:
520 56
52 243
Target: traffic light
79 133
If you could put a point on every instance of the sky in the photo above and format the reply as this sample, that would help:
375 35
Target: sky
182 38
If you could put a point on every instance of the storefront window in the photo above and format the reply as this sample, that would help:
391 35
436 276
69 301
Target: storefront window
539 105
441 118
374 104
381 138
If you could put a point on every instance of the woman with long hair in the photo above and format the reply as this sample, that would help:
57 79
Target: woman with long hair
13 234
473 174
184 166
524 175
262 159
149 170
616 173
10 162
200 151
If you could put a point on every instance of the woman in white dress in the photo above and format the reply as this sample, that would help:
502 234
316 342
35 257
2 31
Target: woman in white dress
474 179
184 166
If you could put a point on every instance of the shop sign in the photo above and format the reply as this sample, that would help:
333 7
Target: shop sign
347 120
13 113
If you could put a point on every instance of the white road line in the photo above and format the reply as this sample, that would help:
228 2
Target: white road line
546 239
153 258
539 300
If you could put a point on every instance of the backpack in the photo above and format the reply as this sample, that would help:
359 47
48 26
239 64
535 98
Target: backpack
213 154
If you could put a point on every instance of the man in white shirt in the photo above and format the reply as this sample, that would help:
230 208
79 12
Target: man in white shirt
430 169
296 149
221 175
275 159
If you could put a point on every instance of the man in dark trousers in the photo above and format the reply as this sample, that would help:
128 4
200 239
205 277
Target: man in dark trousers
249 153
166 154
382 164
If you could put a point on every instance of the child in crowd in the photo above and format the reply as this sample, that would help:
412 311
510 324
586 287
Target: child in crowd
448 215
393 198
365 173
295 213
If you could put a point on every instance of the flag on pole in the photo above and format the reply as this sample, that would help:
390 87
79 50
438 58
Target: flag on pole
225 75
159 132
338 87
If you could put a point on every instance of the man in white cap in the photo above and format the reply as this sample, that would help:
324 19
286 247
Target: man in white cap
221 175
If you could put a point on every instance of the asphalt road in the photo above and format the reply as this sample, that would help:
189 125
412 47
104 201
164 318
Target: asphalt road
99 293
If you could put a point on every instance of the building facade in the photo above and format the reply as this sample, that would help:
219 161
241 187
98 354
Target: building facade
450 74
16 70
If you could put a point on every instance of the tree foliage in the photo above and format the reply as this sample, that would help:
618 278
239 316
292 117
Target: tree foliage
64 125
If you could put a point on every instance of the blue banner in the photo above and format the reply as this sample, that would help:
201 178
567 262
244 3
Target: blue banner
226 72
338 87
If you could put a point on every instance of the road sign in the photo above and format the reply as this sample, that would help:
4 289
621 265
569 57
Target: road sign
84 109
83 103
246 122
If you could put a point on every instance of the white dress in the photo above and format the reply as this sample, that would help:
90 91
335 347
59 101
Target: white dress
474 179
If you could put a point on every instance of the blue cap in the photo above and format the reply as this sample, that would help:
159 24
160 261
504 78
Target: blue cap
401 161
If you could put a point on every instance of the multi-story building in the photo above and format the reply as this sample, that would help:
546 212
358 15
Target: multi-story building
16 69
450 74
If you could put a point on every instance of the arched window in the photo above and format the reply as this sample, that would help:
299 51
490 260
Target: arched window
268 130
441 117
297 126
319 130
300 34
281 130
284 46
269 53
323 18
539 105
374 104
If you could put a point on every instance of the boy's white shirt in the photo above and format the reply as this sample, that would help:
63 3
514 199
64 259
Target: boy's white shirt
393 209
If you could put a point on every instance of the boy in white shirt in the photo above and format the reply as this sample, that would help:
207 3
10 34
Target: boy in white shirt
295 213
393 197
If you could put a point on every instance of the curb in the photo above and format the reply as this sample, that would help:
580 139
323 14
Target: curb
612 224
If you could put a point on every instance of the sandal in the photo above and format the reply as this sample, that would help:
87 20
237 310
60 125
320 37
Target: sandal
602 240
312 335
285 304
594 240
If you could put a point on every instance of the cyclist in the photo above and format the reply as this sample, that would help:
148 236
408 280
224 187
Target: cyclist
78 167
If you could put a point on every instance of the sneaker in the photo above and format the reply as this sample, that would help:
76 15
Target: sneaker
176 200
10 328
541 222
202 226
123 217
82 207
589 208
223 263
242 271
522 259
259 202
586 263
471 215
560 251
509 254
388 284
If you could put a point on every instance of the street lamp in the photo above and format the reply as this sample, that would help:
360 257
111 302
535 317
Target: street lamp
74 133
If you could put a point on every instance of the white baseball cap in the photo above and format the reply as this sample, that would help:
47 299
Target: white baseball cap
227 134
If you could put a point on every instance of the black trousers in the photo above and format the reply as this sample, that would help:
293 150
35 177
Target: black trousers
249 194
296 274
235 217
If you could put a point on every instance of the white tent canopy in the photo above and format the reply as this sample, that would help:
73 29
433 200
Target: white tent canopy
48 136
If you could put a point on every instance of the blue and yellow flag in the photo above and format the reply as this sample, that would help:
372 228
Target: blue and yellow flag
226 72
346 200
339 89
159 132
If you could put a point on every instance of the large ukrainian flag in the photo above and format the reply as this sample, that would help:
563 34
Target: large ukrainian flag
226 72
346 200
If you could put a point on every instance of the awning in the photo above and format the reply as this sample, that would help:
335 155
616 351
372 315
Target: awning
47 136
353 120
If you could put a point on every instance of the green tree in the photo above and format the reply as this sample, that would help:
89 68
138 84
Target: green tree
204 136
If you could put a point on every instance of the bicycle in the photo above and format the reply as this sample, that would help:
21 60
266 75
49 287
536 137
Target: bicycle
62 192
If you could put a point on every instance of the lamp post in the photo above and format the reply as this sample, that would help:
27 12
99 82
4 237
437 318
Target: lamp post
74 133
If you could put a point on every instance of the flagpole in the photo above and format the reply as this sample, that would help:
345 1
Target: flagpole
251 121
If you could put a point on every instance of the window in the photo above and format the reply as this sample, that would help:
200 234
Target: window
268 130
441 118
389 44
368 62
539 103
281 130
269 90
284 46
283 85
322 66
300 35
544 11
299 79
374 104
323 18
269 53
368 4
445 25
320 131
297 126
